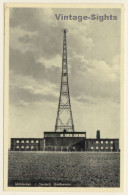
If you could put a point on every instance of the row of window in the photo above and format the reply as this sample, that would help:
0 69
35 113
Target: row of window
72 135
27 147
27 141
111 142
62 149
32 147
101 148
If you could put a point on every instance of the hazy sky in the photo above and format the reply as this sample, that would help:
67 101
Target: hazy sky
35 64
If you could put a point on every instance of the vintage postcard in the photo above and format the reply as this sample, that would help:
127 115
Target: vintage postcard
63 97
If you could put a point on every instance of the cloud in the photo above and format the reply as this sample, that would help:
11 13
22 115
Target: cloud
24 90
49 63
21 39
36 51
94 79
27 96
34 21
42 33
86 99
87 78
26 64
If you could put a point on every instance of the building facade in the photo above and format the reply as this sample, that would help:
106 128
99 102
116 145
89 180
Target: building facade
27 144
100 144
65 141
108 145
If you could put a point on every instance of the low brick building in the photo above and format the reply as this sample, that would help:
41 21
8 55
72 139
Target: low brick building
27 144
65 141
102 145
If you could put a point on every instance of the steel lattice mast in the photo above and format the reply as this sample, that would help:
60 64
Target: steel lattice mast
64 120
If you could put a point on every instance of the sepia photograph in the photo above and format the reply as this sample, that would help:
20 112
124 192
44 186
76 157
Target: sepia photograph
64 96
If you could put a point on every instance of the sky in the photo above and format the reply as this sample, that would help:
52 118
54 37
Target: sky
35 61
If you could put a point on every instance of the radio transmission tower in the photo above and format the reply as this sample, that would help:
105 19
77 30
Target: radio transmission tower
64 120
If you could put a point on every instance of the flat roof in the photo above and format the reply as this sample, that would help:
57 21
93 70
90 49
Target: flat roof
102 139
76 132
26 138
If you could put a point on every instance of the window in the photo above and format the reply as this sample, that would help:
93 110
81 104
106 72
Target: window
97 147
32 147
111 142
32 141
17 141
106 147
97 142
22 141
91 147
102 142
27 141
111 148
17 146
75 135
27 147
61 135
22 147
102 148
106 142
37 141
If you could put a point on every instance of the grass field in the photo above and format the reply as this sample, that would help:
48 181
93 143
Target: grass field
56 169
